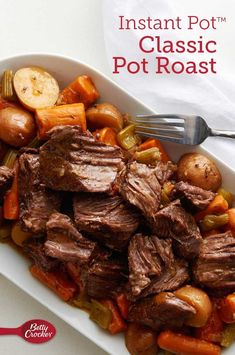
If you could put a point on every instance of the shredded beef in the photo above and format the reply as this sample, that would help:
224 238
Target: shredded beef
215 266
107 218
139 185
169 280
65 243
105 278
174 222
147 257
162 311
73 161
198 197
37 203
164 171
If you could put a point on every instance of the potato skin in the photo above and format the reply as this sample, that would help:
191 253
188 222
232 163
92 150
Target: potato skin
17 127
199 300
140 340
104 115
200 171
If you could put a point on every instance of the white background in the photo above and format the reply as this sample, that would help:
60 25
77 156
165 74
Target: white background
74 28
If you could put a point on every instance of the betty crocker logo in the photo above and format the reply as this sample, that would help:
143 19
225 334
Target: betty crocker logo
34 331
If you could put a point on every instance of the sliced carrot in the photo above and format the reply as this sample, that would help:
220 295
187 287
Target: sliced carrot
47 118
56 281
151 143
123 304
217 205
186 345
117 323
11 206
226 308
231 218
212 330
106 135
82 89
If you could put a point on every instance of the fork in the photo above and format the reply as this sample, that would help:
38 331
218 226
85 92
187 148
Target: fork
182 129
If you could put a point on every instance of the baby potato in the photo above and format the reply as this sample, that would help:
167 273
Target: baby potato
200 171
140 340
18 235
35 88
104 115
199 300
17 127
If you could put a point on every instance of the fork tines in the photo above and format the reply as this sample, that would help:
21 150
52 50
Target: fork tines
164 127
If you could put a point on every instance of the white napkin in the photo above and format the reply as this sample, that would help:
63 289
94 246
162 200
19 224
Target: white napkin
210 96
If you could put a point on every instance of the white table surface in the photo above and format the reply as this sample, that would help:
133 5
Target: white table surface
74 28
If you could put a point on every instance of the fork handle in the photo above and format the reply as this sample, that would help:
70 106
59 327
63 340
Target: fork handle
222 133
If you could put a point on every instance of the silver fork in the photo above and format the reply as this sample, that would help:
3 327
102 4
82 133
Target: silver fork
182 129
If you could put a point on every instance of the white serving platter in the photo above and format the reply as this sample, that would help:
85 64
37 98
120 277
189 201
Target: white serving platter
14 266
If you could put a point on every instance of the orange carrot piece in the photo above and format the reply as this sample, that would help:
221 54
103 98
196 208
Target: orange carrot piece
231 218
151 143
218 205
123 304
117 323
226 308
56 281
82 89
212 330
11 206
47 118
106 135
186 345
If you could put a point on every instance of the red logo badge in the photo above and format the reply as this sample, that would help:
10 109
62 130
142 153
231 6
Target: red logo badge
34 331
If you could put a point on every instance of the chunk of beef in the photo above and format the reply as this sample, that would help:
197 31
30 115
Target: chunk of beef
65 243
34 248
139 185
164 171
174 222
107 218
198 197
147 257
6 177
73 161
170 279
37 203
215 267
162 311
79 272
105 278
